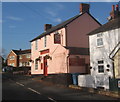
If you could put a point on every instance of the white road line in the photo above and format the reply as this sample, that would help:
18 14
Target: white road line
34 91
19 84
51 99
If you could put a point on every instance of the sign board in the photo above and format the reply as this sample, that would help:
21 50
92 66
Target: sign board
57 39
76 61
118 83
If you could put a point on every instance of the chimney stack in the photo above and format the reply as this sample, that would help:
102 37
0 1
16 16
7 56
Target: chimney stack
113 7
84 8
115 12
47 26
117 7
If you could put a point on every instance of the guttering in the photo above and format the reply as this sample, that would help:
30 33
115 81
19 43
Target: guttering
113 66
68 62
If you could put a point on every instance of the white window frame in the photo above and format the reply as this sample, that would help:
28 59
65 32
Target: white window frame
12 57
36 65
28 56
36 44
20 56
99 40
101 65
45 41
20 64
13 64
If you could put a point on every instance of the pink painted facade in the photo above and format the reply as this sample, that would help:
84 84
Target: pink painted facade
71 55
78 29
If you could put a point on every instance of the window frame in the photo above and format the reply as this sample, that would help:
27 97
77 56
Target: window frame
45 41
20 56
100 41
12 57
20 64
36 65
28 56
36 44
101 64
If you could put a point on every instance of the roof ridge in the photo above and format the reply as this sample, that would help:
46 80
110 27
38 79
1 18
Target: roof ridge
57 26
107 25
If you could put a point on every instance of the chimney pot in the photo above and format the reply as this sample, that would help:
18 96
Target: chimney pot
117 7
84 8
47 26
113 7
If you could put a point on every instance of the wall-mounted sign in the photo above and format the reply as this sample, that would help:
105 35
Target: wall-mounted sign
57 39
76 61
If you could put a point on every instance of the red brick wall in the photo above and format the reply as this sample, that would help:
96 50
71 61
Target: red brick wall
24 59
12 61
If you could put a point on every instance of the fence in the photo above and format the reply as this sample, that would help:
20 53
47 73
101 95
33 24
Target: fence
114 84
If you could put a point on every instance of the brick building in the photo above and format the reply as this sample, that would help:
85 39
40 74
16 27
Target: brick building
19 58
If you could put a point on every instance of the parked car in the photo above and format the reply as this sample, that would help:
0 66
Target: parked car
7 69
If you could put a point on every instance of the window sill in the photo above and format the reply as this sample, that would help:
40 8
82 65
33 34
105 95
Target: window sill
100 46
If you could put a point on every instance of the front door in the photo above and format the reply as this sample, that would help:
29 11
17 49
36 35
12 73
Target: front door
45 67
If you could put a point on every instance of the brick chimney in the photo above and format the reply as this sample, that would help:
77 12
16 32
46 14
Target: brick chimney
47 26
115 12
84 8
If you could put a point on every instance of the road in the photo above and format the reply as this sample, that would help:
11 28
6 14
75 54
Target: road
29 89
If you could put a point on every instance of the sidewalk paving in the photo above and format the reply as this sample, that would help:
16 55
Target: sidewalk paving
91 90
97 91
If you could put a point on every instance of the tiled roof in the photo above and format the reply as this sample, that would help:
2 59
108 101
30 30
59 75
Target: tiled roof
63 24
113 24
78 50
19 52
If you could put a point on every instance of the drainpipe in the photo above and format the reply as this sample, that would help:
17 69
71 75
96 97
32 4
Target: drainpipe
68 62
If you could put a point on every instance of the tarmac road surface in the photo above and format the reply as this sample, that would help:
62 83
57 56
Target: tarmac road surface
28 89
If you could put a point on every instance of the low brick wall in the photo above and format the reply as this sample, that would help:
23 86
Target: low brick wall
64 79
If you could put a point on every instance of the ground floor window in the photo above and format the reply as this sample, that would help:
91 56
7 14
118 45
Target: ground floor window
101 69
36 65
100 66
20 64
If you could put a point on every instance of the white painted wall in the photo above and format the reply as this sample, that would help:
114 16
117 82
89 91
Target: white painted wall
110 40
86 81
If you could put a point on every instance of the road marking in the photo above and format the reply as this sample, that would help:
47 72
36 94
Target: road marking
19 84
34 91
51 99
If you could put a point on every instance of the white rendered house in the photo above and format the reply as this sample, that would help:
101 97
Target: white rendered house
102 41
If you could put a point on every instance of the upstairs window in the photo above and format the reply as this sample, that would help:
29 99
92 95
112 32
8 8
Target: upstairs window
36 44
45 41
28 56
12 57
99 39
20 57
99 42
57 38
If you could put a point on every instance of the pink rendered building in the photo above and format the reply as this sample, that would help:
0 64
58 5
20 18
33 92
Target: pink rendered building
64 48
